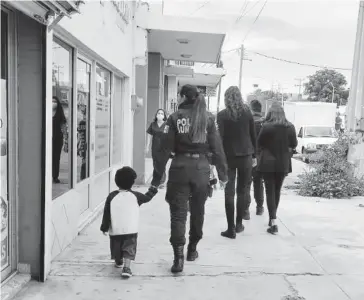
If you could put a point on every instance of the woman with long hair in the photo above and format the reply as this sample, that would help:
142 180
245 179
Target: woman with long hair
237 130
155 133
59 123
191 134
276 139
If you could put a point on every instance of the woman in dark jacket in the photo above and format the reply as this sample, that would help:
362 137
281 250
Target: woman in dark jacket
276 140
237 130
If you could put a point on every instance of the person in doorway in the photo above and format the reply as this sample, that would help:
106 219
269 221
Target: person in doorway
59 123
276 140
155 132
121 218
191 133
256 108
237 130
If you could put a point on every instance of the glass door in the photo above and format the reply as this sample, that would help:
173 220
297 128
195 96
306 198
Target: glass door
7 209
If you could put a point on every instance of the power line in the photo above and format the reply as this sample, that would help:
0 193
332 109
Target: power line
256 19
298 63
255 4
242 10
202 6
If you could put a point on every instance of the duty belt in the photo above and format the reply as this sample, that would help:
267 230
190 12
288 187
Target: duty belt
193 155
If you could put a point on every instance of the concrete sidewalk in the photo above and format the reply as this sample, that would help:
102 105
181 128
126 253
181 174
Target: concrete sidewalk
318 255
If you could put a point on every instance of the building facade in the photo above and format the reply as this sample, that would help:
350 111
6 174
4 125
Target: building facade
355 107
80 81
67 120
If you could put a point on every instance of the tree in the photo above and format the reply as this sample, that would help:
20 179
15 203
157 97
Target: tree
270 95
319 87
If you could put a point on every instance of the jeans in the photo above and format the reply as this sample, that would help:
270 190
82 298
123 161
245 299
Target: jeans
242 167
273 185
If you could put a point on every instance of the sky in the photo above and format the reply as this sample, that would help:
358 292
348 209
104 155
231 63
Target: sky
305 31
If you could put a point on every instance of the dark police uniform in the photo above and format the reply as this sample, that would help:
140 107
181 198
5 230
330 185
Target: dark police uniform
189 173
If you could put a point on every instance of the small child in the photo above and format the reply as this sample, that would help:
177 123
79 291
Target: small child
121 218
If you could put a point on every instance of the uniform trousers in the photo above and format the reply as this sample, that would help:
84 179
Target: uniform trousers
188 176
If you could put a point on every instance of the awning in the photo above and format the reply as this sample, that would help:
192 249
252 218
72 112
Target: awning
188 39
202 76
42 11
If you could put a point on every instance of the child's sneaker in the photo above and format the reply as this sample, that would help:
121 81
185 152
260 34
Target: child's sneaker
126 273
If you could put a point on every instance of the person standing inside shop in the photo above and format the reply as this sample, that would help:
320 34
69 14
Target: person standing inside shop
256 108
191 133
59 123
155 132
237 130
276 139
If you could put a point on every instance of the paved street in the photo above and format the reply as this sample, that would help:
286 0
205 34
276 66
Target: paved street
318 255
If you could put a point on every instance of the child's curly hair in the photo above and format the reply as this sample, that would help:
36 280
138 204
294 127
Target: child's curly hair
125 178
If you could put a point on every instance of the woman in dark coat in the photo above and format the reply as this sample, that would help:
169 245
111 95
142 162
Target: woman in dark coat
237 129
155 133
276 140
59 123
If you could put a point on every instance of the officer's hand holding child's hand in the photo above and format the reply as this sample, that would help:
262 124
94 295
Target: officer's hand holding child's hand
105 233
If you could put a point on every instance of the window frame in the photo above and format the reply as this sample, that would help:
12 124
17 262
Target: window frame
71 122
88 61
111 91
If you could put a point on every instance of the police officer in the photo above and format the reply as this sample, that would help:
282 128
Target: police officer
191 134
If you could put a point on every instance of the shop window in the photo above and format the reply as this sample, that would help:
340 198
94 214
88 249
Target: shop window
4 175
102 120
62 118
83 119
117 120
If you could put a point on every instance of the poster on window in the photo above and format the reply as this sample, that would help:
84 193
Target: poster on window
4 179
102 121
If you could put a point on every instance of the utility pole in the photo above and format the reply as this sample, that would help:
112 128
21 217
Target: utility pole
218 96
242 57
300 80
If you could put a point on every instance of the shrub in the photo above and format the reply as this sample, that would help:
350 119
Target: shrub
331 175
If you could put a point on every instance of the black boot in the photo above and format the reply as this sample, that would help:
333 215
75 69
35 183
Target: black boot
260 210
239 227
247 215
230 233
192 253
178 261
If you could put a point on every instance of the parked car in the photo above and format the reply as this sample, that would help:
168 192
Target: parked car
313 138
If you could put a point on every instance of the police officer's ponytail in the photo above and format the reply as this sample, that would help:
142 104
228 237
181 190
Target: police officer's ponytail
198 127
197 130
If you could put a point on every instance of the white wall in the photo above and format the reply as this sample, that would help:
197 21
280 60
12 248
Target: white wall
100 28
